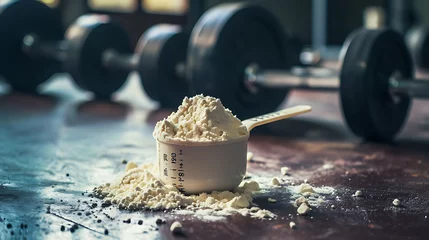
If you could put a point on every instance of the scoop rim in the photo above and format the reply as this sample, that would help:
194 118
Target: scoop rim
244 138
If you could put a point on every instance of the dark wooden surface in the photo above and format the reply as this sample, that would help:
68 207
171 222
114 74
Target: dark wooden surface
44 137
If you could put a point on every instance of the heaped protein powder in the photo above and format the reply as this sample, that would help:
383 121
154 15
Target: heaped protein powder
200 119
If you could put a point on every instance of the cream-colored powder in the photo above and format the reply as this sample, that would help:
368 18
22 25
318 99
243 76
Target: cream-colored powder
176 227
305 187
303 209
200 119
358 193
300 201
396 202
263 214
310 195
275 181
249 156
140 189
284 170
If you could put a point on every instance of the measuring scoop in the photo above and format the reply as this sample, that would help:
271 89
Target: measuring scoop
212 166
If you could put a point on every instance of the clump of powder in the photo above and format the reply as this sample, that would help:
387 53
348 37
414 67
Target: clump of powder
306 196
200 119
140 189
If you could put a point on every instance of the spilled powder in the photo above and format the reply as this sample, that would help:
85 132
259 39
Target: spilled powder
140 189
306 196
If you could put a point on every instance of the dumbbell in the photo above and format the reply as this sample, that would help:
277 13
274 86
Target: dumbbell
96 52
235 49
33 48
159 58
416 37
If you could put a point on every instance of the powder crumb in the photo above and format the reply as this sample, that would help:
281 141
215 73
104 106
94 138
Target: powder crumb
327 166
130 166
263 214
292 225
305 180
332 206
426 216
307 194
275 182
249 156
200 119
254 209
396 202
305 187
303 209
300 201
358 193
176 227
284 170
239 202
250 186
272 200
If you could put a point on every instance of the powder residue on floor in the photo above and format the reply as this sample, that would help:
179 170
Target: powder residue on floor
140 189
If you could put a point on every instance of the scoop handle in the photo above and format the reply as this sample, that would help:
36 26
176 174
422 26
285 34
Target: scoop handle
275 116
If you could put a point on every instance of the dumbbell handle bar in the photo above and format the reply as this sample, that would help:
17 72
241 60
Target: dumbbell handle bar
257 78
57 50
33 46
115 60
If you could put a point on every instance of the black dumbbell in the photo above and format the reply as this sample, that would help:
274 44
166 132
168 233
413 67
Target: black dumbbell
376 80
96 52
33 49
17 19
159 58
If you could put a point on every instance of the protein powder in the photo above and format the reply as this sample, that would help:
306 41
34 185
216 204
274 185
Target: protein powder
200 119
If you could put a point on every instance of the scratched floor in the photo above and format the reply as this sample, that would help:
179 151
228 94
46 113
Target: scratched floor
57 146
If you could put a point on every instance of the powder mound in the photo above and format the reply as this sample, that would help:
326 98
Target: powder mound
200 119
140 189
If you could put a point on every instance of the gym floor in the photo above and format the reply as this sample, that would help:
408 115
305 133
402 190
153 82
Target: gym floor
57 146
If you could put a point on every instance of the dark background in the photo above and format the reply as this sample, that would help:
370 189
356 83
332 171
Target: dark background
295 15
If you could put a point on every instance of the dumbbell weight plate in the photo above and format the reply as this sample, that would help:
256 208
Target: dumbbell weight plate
88 38
161 48
223 43
417 40
17 19
368 107
346 45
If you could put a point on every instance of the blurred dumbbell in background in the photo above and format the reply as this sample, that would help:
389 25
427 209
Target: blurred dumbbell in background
34 48
95 51
245 68
237 52
402 16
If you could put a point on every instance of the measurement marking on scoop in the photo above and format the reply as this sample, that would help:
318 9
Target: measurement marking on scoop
177 173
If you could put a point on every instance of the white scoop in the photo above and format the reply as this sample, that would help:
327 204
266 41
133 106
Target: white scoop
206 167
